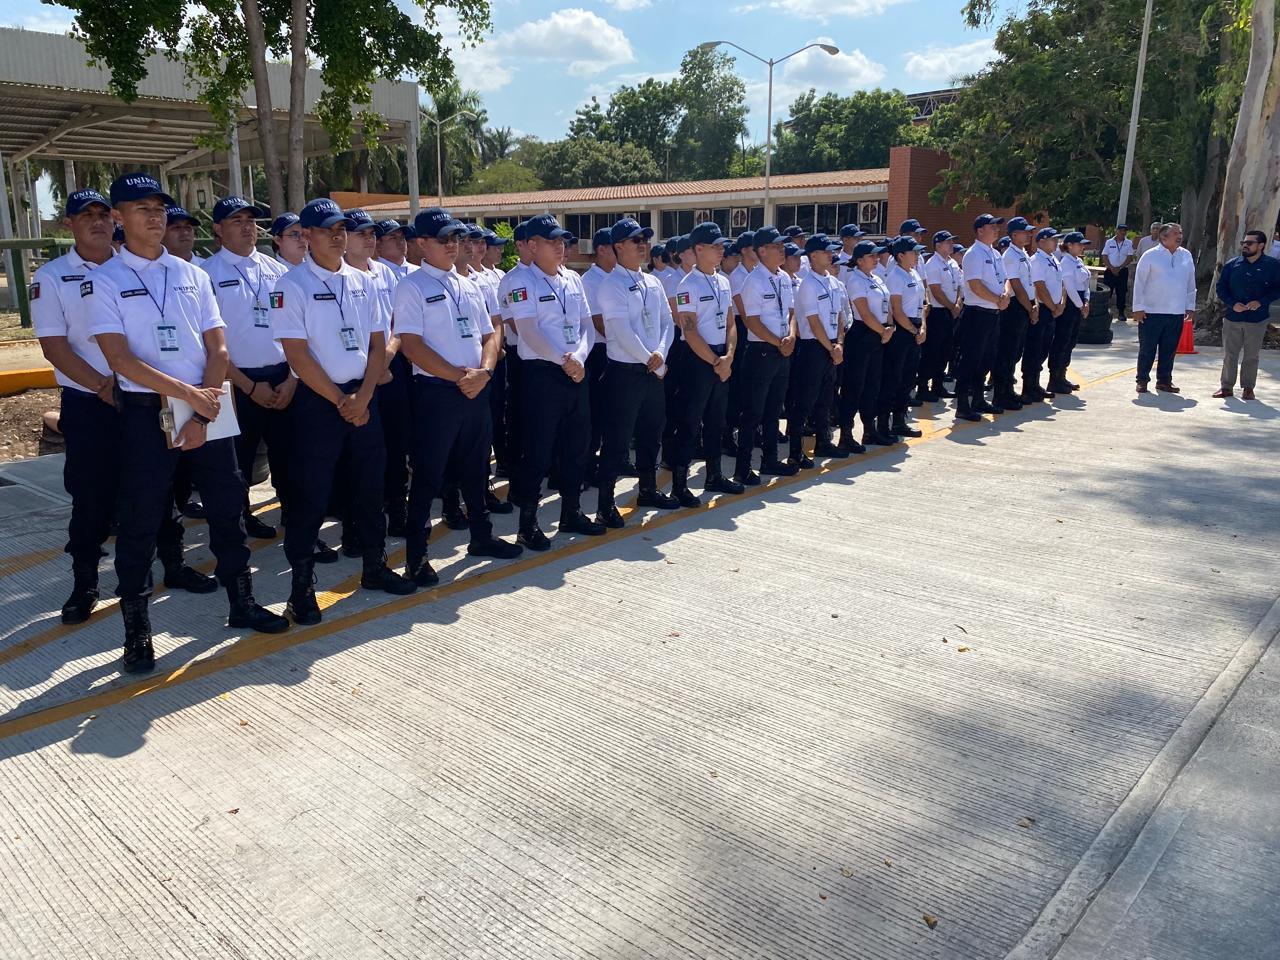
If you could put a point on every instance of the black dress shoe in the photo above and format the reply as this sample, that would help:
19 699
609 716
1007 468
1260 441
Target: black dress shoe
351 550
853 447
749 479
580 523
722 484
425 575
830 450
981 406
246 613
611 518
381 577
493 547
874 438
803 462
778 468
494 505
656 498
259 529
84 595
969 415
902 430
629 470
942 393
189 579
302 607
193 509
139 654
532 537
456 520
926 397
324 553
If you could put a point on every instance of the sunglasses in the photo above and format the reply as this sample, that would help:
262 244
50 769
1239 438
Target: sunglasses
1250 243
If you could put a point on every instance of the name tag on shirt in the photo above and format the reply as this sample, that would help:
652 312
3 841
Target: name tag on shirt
260 320
348 337
167 339
436 299
323 296
228 283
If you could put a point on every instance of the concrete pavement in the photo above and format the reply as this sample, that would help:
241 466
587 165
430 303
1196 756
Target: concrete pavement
805 723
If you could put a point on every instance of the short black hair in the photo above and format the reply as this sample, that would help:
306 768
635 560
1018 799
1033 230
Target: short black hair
1261 237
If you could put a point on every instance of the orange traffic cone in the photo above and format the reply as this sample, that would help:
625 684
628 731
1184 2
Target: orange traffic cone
1187 344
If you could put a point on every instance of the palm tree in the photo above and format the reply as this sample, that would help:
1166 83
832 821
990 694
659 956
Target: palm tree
496 144
461 139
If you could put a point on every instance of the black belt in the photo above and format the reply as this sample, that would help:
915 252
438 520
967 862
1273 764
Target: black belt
983 309
131 399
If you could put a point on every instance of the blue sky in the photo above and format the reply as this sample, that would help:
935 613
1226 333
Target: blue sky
545 58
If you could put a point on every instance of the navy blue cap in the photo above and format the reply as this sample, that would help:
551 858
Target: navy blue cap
904 245
321 212
942 236
521 231
1003 243
436 223
706 232
283 222
137 186
474 231
546 226
570 240
795 230
765 236
657 250
864 248
1048 233
732 249
852 230
986 220
790 250
746 239
819 242
117 234
175 214
1016 224
959 248
681 244
229 205
81 199
358 220
602 238
1075 236
1121 226
493 240
911 225
626 228
384 228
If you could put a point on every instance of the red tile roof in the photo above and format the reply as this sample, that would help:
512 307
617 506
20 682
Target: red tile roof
646 191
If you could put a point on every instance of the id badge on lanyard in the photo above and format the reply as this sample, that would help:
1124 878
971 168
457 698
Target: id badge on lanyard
350 341
570 333
260 314
464 328
167 338
719 319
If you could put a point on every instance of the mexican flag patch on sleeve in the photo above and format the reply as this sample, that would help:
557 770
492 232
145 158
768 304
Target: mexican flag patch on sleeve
277 300
519 295
33 292
682 299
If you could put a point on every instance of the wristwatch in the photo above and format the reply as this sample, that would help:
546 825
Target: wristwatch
201 419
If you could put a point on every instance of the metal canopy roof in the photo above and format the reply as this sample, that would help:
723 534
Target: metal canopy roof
53 103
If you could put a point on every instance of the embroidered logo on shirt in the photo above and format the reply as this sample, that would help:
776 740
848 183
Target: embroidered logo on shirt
683 299
228 283
277 300
519 295
86 288
33 292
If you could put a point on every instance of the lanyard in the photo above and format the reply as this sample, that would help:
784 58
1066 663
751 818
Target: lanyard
559 299
457 307
715 289
342 292
251 287
164 291
777 294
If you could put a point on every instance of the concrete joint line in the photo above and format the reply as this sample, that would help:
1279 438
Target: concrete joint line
1125 834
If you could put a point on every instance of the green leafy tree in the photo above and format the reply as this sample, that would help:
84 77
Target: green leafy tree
646 115
832 132
589 121
714 116
461 138
496 143
507 232
582 162
503 176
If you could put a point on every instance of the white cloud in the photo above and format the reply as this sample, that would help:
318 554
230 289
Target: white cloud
823 10
946 64
585 41
57 20
628 4
848 70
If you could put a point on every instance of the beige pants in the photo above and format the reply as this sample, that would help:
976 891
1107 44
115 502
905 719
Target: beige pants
1235 337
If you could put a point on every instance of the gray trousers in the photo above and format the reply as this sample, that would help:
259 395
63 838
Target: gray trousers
1237 336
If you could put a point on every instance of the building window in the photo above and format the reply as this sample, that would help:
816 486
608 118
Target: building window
756 218
668 225
827 222
846 213
579 224
684 221
786 214
644 218
805 218
720 217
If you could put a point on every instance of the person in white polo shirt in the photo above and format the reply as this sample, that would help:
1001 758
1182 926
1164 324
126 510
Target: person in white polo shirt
180 234
986 294
1164 296
288 240
1150 240
330 320
638 324
1047 286
157 323
393 239
604 261
820 329
446 332
243 280
1117 255
942 278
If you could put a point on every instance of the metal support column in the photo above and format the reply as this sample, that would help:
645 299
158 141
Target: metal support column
69 176
6 233
411 164
235 182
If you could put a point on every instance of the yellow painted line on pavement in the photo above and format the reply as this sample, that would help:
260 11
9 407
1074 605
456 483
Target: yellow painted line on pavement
255 646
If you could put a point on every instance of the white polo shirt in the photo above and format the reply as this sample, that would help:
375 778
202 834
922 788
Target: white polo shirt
1165 282
944 272
508 282
162 306
59 295
335 312
637 316
1045 269
738 278
710 298
907 285
983 264
557 307
870 289
243 286
384 282
818 296
447 311
671 278
1117 253
1075 279
1017 266
591 281
770 297
399 270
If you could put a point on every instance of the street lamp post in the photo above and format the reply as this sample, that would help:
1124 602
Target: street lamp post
440 125
768 130
1123 212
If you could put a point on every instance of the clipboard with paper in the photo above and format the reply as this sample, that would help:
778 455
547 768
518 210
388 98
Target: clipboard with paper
177 412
